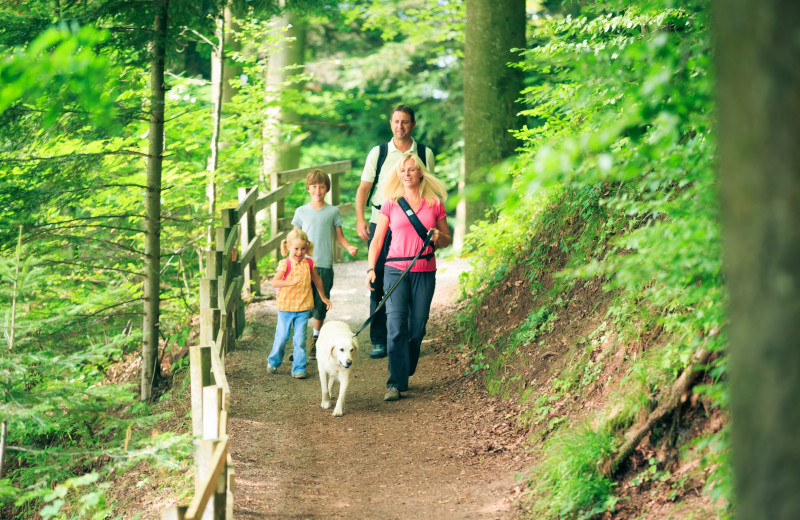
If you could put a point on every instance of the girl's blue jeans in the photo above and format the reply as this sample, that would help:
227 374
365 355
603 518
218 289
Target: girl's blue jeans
287 320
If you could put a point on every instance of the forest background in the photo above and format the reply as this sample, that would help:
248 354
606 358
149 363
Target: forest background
609 128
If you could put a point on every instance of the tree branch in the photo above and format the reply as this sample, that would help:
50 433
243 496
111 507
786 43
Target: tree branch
124 215
91 266
78 155
53 226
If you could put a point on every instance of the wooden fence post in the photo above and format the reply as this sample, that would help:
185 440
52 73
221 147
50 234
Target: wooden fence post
174 512
229 497
200 376
212 406
205 451
247 223
209 310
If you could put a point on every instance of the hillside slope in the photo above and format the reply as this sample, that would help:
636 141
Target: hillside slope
593 368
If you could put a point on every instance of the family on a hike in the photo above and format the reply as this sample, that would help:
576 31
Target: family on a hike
407 213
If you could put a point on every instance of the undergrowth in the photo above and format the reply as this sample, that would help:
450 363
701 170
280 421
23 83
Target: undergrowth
615 186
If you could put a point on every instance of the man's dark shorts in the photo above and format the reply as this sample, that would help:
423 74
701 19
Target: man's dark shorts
319 311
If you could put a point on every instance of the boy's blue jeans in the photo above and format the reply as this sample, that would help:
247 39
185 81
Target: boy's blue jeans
286 320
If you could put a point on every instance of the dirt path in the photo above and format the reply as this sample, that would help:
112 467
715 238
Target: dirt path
446 450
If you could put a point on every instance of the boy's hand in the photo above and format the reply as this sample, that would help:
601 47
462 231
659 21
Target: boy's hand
327 303
353 250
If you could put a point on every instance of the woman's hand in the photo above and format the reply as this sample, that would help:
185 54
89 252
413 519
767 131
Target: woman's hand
370 279
441 234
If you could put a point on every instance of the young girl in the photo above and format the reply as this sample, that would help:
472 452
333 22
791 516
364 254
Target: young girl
295 300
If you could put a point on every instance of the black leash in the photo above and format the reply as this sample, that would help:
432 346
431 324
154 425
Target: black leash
425 244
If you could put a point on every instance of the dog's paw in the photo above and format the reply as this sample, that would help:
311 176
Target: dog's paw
337 412
326 404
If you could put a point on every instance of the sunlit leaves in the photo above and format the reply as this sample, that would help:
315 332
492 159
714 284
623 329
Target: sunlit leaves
63 66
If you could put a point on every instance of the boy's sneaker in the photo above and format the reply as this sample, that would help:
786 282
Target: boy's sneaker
299 375
312 354
271 369
378 351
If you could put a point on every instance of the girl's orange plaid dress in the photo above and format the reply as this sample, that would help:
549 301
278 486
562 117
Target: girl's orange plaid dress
297 297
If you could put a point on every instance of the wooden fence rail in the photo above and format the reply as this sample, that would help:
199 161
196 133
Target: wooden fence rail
231 275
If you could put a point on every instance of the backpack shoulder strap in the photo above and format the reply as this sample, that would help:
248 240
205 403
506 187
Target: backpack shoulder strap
413 218
383 151
422 155
288 269
310 263
418 227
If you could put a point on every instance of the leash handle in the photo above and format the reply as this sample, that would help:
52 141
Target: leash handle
425 244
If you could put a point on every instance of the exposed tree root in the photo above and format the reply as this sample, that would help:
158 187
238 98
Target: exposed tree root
678 395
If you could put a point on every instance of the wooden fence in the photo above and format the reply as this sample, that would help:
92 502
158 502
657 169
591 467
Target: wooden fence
231 276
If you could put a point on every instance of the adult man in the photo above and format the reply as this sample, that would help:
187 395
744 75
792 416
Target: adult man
402 123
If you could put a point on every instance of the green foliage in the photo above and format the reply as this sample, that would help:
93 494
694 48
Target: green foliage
60 65
568 484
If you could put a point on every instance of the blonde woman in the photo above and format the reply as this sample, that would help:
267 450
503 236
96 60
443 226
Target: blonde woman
408 307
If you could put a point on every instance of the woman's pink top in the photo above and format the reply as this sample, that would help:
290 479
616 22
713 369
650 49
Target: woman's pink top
405 240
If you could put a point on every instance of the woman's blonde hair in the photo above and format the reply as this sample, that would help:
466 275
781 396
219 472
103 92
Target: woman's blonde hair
430 187
297 234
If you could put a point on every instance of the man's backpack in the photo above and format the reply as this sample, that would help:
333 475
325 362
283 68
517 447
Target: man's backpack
383 151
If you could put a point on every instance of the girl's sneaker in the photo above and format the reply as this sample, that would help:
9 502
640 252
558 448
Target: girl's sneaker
271 369
299 375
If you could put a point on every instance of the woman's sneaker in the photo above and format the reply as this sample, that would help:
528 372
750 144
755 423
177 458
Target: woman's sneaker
392 394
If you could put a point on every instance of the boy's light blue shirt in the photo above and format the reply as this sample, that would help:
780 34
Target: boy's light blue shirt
319 225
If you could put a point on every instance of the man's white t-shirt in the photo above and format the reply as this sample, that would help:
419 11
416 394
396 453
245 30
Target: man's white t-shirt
392 157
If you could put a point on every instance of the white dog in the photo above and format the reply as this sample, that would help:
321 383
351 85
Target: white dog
336 350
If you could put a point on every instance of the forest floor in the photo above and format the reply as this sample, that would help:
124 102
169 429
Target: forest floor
445 450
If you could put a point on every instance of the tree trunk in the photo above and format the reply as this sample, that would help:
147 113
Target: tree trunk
234 10
278 153
757 57
491 89
217 100
152 243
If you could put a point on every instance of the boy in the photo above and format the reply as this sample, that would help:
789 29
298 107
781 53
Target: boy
318 220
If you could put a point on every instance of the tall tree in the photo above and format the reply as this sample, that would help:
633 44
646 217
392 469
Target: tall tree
280 152
491 89
224 72
757 54
152 248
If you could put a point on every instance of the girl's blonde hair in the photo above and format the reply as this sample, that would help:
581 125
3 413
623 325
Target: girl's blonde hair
297 234
430 187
